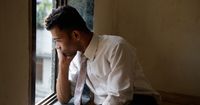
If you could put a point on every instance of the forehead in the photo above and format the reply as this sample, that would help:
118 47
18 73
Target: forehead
56 32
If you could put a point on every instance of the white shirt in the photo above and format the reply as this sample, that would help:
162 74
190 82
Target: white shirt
113 72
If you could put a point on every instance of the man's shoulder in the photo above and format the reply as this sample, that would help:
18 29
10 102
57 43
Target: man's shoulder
112 39
115 42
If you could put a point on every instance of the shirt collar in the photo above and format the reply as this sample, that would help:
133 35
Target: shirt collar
92 48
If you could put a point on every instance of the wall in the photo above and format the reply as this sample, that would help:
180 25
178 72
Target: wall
166 34
14 59
105 16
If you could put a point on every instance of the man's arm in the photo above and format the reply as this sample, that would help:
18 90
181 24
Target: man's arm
63 87
120 83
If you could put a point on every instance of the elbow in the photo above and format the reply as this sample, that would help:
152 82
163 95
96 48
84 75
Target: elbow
63 100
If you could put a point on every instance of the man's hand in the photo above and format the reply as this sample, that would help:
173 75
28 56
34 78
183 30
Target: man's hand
63 90
63 58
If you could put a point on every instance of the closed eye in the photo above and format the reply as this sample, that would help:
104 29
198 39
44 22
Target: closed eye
57 39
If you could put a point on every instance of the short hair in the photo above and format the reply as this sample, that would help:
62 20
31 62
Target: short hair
66 18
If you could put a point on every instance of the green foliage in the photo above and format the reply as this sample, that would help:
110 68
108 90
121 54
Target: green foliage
42 11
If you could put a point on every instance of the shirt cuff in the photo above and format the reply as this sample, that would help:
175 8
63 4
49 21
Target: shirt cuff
111 100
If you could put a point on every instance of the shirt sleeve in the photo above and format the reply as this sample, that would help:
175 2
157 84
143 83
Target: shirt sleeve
120 79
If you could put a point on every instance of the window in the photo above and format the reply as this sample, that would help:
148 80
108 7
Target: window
44 81
44 61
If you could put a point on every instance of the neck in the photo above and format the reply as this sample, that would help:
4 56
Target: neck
86 40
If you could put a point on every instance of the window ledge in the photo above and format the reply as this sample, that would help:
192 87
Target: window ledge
49 100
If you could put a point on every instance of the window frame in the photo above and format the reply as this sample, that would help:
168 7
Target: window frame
32 46
51 98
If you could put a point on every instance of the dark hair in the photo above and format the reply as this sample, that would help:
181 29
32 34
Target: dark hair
66 18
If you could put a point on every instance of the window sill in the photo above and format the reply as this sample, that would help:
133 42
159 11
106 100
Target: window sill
49 100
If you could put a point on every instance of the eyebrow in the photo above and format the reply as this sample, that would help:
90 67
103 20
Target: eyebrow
56 38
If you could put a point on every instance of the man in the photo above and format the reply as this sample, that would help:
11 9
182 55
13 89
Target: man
113 73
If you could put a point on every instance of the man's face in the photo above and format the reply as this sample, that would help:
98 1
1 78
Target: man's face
65 42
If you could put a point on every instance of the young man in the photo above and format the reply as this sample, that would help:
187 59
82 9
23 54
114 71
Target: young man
113 73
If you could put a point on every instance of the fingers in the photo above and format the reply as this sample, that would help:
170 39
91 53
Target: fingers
63 58
69 58
60 55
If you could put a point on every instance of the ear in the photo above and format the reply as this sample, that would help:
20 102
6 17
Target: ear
76 35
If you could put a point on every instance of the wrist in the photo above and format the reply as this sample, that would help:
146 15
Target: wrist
63 67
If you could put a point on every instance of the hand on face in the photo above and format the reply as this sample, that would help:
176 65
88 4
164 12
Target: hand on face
65 58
